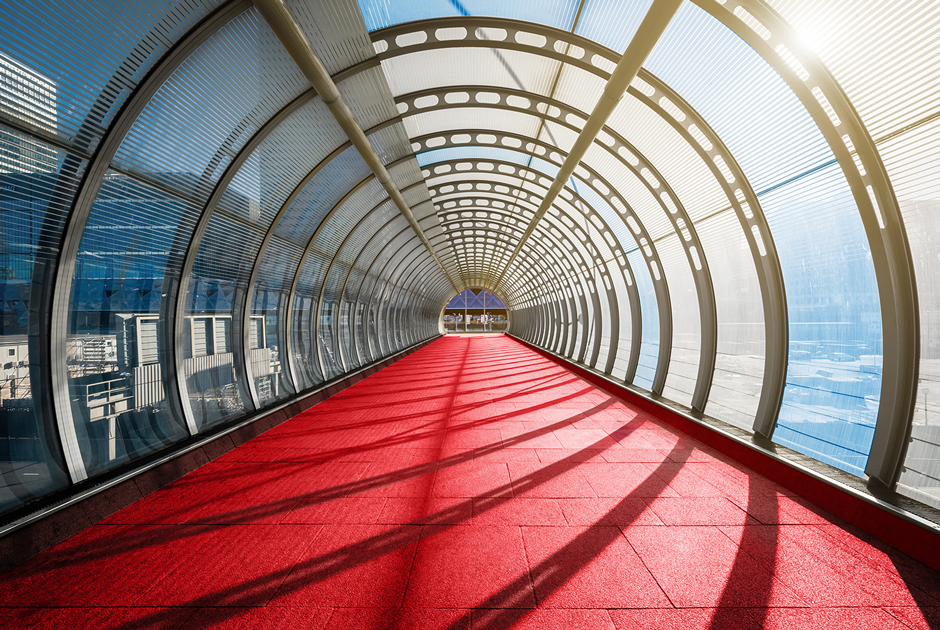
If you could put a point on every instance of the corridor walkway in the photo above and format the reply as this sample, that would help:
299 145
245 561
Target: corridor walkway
472 484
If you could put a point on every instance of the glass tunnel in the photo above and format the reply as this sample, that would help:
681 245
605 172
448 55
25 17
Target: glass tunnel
211 208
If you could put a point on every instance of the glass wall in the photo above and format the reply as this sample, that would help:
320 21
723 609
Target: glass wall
37 183
131 251
165 309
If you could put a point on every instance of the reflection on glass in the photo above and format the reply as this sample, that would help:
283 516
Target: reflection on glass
834 365
36 186
264 334
134 238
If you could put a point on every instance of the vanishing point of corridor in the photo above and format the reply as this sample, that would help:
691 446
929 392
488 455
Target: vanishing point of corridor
473 484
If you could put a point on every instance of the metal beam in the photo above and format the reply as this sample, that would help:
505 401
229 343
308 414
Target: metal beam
645 242
279 18
378 279
415 104
747 209
586 208
367 344
881 218
326 275
648 33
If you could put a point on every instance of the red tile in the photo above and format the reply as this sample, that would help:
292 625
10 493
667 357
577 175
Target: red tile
399 618
250 453
100 618
250 562
361 510
94 565
704 569
473 479
458 441
543 619
426 511
500 512
634 455
922 581
550 455
262 618
885 587
506 455
698 511
684 619
391 480
553 415
352 566
20 618
584 438
576 567
397 472
684 480
813 580
831 619
550 481
609 511
469 567
621 480
917 618
534 438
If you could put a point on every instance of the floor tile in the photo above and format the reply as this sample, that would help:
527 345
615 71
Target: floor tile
356 566
469 567
496 490
704 569
592 567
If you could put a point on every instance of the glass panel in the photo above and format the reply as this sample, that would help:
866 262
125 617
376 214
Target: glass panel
370 266
834 368
344 334
329 319
649 346
911 160
306 366
321 195
303 332
123 39
268 309
625 342
879 56
557 13
217 284
133 243
37 184
686 322
739 365
274 170
211 106
612 22
335 31
774 138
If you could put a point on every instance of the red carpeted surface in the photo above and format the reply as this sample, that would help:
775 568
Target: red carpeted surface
472 484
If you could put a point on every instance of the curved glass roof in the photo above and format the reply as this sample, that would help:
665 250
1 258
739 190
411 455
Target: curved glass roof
212 207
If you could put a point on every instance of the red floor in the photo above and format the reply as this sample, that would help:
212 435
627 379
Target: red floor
472 484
